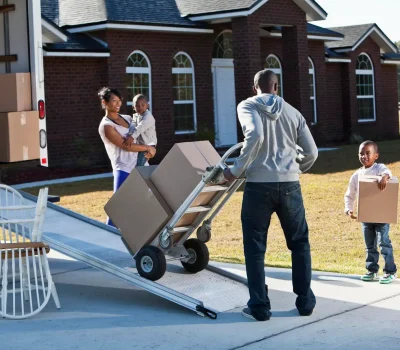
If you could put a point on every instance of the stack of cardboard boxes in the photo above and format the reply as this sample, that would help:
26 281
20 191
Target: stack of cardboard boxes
19 125
151 195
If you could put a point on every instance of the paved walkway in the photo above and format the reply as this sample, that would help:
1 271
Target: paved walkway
102 312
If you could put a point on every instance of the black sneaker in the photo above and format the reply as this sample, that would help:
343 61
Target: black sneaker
246 312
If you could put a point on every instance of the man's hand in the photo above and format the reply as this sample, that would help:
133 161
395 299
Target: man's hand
228 175
128 141
383 182
351 214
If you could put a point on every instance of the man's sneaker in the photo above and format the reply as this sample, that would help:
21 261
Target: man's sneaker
246 312
370 276
387 278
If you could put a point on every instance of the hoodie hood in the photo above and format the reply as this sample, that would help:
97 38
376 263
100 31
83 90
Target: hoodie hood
269 105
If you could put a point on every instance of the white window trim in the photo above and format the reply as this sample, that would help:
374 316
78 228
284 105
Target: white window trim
313 98
176 102
141 70
367 72
277 70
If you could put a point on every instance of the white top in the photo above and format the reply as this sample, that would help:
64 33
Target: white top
120 159
378 169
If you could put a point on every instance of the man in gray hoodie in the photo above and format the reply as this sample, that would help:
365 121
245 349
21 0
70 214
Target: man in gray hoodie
272 130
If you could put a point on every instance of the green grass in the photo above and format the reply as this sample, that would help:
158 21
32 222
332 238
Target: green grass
336 241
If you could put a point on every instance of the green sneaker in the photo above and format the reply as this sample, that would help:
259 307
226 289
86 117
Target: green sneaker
387 278
370 276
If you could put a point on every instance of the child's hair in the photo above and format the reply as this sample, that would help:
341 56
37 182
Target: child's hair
138 98
370 143
105 94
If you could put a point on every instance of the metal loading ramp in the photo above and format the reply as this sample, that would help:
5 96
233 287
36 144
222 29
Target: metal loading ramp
101 247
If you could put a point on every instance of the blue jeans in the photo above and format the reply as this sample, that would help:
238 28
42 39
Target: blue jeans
141 159
260 201
119 178
374 235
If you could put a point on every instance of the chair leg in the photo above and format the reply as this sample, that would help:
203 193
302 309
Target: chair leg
4 290
25 282
55 295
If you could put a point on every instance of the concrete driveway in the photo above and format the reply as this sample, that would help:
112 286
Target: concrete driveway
102 312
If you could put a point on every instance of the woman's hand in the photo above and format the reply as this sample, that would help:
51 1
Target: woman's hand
151 152
128 141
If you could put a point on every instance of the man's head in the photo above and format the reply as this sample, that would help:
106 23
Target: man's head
140 104
265 82
368 153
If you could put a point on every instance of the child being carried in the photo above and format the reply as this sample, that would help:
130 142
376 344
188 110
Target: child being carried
142 128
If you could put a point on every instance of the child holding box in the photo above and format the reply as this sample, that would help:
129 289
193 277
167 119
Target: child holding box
374 233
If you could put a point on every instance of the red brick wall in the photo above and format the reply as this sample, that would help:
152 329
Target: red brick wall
73 110
329 126
161 48
248 49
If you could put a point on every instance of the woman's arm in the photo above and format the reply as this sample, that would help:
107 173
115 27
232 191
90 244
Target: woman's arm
114 137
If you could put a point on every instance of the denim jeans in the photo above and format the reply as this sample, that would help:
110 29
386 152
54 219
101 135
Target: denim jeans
378 235
260 201
119 178
141 159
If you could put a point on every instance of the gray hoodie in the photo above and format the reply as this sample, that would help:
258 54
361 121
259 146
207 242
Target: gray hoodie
272 128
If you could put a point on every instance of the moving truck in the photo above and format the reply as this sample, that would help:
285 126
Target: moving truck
22 101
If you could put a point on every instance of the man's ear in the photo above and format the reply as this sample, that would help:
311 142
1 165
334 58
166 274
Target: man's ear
254 89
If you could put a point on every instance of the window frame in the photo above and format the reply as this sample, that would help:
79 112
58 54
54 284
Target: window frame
175 102
140 70
226 31
276 71
311 71
369 72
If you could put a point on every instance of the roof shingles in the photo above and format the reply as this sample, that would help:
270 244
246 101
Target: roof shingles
352 34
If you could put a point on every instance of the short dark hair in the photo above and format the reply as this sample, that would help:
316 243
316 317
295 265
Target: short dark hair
138 98
106 92
370 143
265 79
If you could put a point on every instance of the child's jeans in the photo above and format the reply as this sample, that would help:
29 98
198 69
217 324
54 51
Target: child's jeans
374 235
141 159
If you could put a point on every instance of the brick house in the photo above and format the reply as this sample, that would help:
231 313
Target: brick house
195 60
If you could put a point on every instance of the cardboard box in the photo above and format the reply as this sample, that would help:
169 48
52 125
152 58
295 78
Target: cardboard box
15 92
137 209
375 206
19 136
181 171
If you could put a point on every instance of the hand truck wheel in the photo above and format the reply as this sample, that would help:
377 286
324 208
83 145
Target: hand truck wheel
203 233
198 255
151 263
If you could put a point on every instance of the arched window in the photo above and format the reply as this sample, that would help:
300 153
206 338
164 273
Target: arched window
223 45
138 76
313 94
272 63
184 94
365 89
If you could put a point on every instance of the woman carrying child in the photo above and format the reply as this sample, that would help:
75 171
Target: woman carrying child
112 129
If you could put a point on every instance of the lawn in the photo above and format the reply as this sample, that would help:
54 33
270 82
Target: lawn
336 241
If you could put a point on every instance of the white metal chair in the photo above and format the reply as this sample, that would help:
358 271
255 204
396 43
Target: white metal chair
24 267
